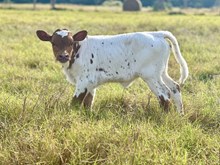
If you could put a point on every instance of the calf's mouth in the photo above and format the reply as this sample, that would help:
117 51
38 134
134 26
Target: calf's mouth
63 58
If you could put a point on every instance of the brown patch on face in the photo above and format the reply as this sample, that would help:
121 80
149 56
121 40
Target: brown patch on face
76 47
164 103
62 46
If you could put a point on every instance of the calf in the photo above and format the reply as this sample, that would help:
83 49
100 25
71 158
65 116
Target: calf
89 61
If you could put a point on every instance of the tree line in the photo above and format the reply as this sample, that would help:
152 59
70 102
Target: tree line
174 3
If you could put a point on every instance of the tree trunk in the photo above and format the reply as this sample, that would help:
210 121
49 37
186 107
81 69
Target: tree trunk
53 2
185 3
34 4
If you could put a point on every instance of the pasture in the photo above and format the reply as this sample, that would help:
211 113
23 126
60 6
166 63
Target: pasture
37 125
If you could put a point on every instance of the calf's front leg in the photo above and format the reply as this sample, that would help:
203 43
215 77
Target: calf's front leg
85 99
87 102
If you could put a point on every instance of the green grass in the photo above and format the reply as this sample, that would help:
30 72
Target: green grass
37 125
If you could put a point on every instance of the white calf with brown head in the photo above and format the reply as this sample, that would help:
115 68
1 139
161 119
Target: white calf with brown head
89 61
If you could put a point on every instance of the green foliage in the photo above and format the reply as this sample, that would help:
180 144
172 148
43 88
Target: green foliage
161 5
37 125
176 3
112 3
7 1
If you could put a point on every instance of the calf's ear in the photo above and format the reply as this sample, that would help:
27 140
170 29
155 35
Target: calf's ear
79 36
44 36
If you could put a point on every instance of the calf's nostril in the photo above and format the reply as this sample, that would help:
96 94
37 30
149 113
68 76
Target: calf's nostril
63 58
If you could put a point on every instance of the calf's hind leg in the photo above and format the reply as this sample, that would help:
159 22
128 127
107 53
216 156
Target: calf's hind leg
160 90
175 92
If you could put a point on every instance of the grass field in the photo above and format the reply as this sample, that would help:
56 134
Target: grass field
37 125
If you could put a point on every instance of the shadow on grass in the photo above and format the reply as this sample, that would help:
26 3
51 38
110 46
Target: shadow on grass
207 120
138 111
125 109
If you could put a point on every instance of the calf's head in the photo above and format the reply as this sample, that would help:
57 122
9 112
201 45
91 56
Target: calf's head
62 42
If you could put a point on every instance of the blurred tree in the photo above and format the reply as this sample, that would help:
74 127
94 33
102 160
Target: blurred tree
34 4
53 2
176 3
217 3
161 5
197 4
193 3
209 3
112 3
185 3
147 2
85 2
7 1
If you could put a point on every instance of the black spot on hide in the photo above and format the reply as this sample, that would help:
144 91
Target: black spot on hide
174 91
99 69
91 61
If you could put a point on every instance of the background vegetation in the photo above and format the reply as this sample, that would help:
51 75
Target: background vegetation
37 125
176 3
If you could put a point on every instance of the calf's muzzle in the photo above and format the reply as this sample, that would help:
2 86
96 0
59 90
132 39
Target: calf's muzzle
63 58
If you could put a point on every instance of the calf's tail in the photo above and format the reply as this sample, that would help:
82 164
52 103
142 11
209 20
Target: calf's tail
179 58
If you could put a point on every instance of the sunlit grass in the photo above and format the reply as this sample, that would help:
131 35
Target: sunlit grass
38 126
